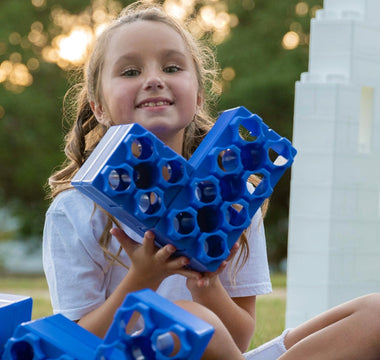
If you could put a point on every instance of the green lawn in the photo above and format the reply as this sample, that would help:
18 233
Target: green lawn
270 313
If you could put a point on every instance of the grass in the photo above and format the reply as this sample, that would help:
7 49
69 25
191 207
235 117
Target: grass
270 309
33 286
270 312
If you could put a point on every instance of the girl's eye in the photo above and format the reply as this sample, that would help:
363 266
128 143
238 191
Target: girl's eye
131 73
172 69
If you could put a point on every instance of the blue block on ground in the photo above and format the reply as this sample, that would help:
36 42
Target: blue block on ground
14 309
53 337
201 206
168 331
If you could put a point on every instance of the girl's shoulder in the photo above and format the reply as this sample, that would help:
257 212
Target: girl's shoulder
71 200
76 208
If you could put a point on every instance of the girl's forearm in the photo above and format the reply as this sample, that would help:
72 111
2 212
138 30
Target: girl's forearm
239 322
99 320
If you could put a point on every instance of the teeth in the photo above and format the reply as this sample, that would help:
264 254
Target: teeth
158 103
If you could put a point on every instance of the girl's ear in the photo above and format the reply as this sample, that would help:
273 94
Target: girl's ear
200 98
99 113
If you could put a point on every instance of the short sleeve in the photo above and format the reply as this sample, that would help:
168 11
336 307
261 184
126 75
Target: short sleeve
253 276
74 266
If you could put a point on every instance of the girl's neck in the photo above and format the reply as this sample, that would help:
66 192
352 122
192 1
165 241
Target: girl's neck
175 143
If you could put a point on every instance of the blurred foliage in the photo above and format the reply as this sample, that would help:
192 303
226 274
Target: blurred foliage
258 72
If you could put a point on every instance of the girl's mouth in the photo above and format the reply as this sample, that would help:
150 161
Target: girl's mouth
154 103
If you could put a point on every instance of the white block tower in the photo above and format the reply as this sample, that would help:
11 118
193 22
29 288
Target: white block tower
334 230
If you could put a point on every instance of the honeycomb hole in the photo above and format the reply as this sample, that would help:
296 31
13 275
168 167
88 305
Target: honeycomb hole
184 223
214 246
119 180
142 148
149 203
206 191
22 350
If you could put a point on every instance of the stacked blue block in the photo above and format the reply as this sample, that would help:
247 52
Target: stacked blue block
14 310
201 206
169 332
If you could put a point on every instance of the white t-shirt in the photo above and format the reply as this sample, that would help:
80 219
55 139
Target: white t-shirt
80 277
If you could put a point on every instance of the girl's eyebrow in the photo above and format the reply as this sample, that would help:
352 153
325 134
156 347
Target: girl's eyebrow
173 52
135 56
131 57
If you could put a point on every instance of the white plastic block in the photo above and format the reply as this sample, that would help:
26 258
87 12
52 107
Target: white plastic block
313 134
369 9
348 5
375 148
308 170
305 302
359 169
348 48
312 201
334 216
348 235
354 204
373 11
331 35
366 71
309 235
366 266
307 268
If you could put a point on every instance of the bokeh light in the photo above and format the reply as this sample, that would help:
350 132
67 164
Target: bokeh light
302 8
73 47
290 40
228 74
66 41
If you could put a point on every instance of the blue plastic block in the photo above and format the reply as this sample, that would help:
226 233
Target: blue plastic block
164 325
53 337
126 170
201 206
14 309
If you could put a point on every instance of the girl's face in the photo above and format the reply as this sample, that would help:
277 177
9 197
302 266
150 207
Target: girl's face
149 78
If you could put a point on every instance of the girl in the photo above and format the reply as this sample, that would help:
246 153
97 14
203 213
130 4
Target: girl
146 68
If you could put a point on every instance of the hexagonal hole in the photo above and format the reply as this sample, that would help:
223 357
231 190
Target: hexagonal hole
145 175
184 223
249 136
214 246
149 203
206 191
119 179
208 218
236 214
172 171
142 148
168 344
228 160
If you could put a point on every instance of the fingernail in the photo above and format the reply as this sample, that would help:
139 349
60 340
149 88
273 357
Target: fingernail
170 248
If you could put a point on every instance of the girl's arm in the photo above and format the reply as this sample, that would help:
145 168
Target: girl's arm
150 266
237 314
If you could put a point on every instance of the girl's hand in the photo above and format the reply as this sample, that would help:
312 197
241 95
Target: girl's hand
150 264
209 279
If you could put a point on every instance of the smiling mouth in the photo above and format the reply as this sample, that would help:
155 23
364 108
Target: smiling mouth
154 104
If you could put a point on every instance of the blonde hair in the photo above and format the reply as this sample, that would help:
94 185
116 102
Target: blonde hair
86 131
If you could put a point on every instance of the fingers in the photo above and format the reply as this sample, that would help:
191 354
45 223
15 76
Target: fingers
125 241
233 251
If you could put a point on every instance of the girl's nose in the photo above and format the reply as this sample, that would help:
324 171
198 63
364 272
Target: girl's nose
154 82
